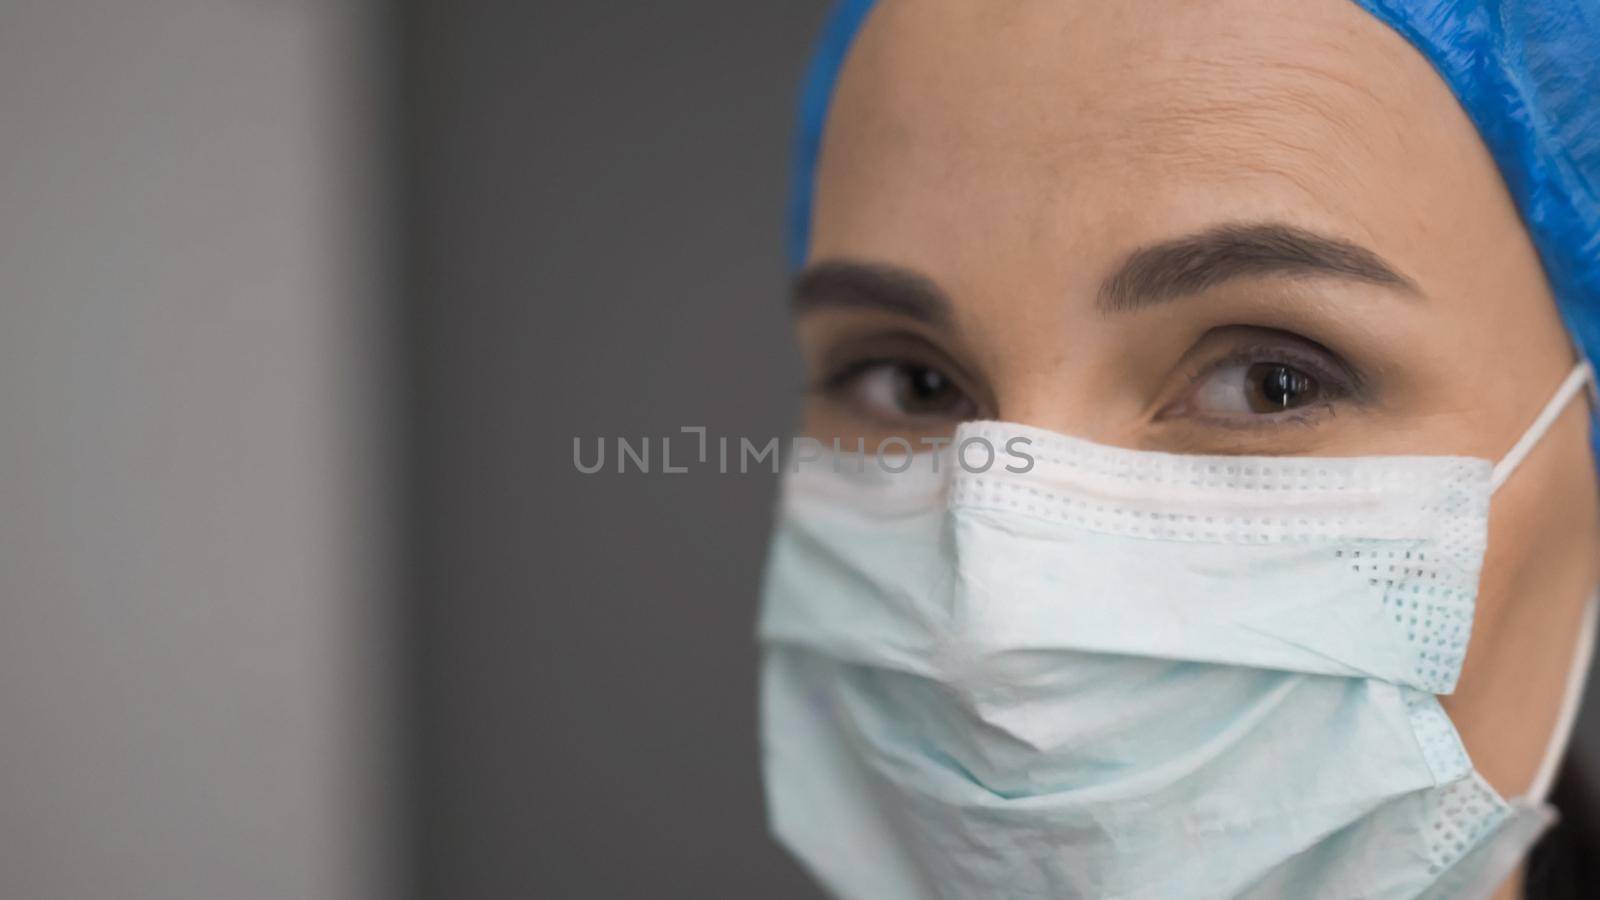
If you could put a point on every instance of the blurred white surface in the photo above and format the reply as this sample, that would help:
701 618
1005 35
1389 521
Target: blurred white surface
193 638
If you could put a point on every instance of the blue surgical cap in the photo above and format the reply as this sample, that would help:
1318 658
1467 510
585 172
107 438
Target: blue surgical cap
1526 71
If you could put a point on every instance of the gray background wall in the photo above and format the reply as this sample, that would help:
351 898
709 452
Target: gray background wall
596 251
195 628
241 364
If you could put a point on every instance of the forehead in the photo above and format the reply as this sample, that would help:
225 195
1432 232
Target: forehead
1003 131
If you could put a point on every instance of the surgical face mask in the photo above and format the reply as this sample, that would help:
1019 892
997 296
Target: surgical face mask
1119 673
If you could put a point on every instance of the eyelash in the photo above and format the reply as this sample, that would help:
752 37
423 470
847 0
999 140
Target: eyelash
834 382
844 383
1338 382
1336 379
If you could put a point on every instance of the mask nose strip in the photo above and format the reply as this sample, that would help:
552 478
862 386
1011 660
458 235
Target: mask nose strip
1582 374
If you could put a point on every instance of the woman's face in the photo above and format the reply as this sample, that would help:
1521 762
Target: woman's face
1227 227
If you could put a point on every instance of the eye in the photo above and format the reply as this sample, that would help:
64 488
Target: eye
1242 378
897 390
1260 388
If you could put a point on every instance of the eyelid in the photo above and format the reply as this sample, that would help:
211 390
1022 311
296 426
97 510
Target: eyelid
837 379
1338 374
1340 381
841 386
894 347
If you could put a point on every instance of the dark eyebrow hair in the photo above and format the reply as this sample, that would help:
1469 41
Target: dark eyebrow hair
843 284
1193 263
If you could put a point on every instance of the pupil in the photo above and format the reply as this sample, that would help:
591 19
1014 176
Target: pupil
920 389
1283 387
926 383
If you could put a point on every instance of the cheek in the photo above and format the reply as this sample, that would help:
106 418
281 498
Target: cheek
1544 530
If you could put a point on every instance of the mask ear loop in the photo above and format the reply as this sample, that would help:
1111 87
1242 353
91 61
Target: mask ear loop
1582 374
1583 654
1572 695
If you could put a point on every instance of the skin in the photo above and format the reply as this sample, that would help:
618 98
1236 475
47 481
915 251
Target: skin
1010 156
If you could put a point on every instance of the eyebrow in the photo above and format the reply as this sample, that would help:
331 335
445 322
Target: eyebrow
858 285
1193 263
